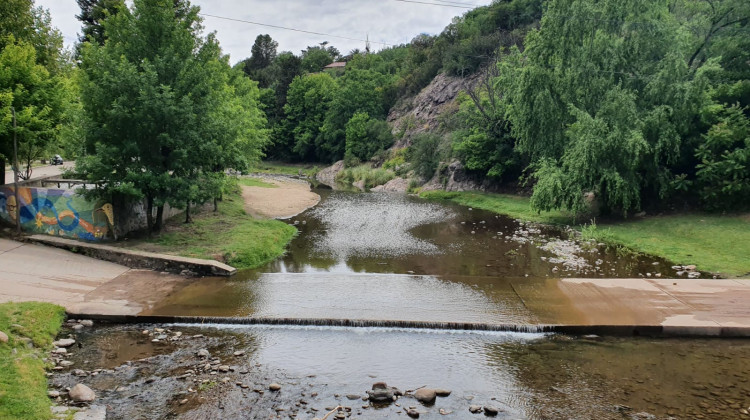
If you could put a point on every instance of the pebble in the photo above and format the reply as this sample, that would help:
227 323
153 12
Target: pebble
203 353
77 327
86 322
239 353
475 408
223 368
53 394
491 410
412 413
274 387
442 392
59 350
3 337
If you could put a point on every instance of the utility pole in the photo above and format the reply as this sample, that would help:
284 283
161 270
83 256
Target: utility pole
15 173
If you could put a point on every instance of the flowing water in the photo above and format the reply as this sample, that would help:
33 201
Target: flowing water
391 257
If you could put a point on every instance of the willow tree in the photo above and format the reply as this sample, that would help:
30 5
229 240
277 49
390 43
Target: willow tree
167 115
602 101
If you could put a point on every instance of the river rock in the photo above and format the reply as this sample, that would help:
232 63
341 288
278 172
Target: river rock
86 322
59 350
380 393
82 393
95 412
490 410
223 368
274 387
440 392
397 184
3 337
203 353
80 372
53 394
425 395
475 408
328 175
412 413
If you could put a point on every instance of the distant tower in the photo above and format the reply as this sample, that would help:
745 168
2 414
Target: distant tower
367 45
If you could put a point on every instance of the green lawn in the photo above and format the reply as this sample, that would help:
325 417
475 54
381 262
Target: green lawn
715 243
23 383
230 235
255 182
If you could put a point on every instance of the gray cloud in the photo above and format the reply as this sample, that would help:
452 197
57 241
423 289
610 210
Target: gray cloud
388 21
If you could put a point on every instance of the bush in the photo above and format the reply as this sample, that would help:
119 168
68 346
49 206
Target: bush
365 137
371 177
425 154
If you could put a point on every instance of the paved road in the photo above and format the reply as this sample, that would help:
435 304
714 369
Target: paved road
42 171
79 283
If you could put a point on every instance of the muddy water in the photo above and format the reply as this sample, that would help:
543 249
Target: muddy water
525 375
390 256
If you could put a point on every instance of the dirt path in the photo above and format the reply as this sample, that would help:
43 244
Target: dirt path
289 198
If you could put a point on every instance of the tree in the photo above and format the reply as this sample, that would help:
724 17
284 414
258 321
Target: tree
603 106
21 20
308 101
37 99
93 13
365 137
316 57
259 66
166 118
359 91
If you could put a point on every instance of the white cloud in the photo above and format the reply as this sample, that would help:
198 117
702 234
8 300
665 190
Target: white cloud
389 21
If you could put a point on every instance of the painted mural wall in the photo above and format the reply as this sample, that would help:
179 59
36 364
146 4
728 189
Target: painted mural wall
57 212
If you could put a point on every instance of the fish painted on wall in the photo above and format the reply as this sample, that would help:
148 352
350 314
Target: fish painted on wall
57 212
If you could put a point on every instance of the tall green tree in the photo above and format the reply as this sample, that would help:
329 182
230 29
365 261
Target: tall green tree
308 102
38 100
166 113
93 13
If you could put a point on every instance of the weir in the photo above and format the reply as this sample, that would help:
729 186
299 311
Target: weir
601 330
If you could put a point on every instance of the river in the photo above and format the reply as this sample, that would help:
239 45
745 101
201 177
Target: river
393 257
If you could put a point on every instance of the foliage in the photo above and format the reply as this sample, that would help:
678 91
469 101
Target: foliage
316 57
20 21
397 161
425 154
255 182
371 177
723 174
38 100
22 376
165 119
93 13
365 137
308 102
259 66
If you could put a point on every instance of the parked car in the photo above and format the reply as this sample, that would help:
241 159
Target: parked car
56 160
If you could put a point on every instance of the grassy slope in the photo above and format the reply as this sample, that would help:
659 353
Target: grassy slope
23 384
238 238
715 243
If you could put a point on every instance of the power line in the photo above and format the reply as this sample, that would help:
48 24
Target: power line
437 4
292 29
456 2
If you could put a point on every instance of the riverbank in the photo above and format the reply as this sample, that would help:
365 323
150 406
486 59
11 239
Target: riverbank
31 327
714 243
276 197
230 235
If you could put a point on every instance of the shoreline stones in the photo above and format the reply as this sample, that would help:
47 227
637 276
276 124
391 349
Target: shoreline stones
64 342
82 393
380 393
3 337
425 395
274 387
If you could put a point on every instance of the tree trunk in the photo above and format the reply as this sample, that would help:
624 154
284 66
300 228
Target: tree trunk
149 214
2 173
188 219
159 218
216 204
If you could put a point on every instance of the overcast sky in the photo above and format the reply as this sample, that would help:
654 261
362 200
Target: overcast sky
389 21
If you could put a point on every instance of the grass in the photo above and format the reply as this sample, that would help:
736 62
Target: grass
23 383
371 177
714 243
283 169
255 182
229 235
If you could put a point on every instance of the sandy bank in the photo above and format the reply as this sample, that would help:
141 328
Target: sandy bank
289 198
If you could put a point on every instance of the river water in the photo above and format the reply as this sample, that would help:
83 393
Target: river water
392 257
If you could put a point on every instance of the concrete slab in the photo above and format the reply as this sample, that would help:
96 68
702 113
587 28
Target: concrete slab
80 284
